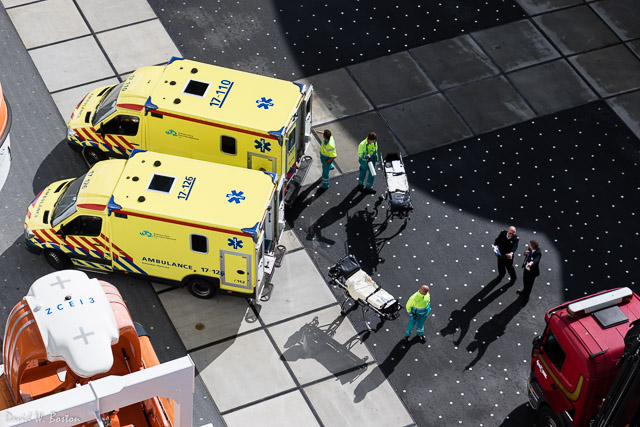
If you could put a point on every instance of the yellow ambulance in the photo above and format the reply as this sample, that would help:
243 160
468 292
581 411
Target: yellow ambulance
159 216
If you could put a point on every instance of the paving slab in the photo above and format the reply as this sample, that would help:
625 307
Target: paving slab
105 14
515 45
622 15
243 370
321 344
610 70
489 104
146 43
635 47
67 100
366 400
533 7
47 22
628 108
297 287
336 96
288 410
392 79
204 321
290 240
349 132
576 30
454 61
552 87
426 123
58 63
13 3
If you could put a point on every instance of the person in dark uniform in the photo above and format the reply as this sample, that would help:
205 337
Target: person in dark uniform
531 267
504 246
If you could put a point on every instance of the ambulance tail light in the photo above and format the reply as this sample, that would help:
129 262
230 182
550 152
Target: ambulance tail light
598 302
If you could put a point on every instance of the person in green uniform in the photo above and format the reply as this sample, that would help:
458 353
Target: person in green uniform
328 154
367 152
418 307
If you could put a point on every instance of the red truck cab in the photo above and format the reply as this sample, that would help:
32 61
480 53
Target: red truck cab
577 359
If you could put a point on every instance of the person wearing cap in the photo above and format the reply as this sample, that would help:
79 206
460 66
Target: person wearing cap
418 306
367 152
328 154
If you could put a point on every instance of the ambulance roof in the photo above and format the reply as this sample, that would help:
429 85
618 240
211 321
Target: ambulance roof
195 89
179 189
75 320
98 184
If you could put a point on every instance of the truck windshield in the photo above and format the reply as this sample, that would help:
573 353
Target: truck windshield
108 104
66 204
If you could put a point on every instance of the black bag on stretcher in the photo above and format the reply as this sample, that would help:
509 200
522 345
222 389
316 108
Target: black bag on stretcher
397 185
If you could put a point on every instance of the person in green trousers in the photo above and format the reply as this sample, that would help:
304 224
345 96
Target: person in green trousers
418 307
367 152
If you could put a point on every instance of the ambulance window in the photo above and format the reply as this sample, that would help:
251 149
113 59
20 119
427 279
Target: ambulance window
161 183
291 140
84 225
196 88
228 145
122 125
554 352
199 243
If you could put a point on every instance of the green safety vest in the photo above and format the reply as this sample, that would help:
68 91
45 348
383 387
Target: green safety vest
418 301
328 148
364 151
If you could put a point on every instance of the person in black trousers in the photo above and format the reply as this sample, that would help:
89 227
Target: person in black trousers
504 246
531 267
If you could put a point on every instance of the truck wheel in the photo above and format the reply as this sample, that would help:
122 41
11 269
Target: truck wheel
201 287
56 259
548 418
92 155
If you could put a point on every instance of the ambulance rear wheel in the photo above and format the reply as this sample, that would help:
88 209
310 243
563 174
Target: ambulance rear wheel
56 259
548 418
92 155
201 287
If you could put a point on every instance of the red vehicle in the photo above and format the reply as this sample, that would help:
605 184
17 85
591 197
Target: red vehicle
584 368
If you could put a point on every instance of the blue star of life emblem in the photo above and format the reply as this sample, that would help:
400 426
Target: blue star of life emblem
262 145
235 196
265 103
235 243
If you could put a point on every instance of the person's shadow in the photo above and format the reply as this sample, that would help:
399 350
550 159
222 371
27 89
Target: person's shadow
461 319
491 330
314 232
378 375
303 201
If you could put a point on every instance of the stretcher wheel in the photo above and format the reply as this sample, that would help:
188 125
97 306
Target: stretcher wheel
201 287
56 259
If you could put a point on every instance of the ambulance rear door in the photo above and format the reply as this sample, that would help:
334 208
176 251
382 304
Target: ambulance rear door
236 271
305 117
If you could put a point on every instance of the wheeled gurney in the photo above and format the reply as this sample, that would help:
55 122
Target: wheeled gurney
397 186
360 288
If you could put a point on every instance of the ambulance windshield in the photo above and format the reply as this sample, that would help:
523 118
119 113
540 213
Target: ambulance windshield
108 104
66 204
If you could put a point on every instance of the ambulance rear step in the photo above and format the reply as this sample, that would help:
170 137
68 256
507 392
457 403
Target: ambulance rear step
295 184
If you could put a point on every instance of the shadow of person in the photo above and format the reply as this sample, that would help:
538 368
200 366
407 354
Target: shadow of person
461 319
313 341
491 330
378 375
314 232
302 201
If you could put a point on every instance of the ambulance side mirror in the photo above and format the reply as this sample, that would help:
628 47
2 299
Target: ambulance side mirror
537 343
62 232
101 129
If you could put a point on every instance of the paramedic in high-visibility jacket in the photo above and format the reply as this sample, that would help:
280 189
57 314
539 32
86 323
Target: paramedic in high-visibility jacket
328 154
418 307
368 152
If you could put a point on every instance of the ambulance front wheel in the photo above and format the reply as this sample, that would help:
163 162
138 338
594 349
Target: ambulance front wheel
92 155
202 287
56 259
548 418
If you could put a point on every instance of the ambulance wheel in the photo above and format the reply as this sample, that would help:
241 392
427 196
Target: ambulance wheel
92 155
56 259
201 287
548 418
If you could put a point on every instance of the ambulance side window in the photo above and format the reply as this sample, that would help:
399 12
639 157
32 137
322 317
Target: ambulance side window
84 225
291 140
199 244
122 125
228 145
554 351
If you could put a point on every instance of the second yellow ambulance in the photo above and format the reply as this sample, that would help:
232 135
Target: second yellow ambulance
204 225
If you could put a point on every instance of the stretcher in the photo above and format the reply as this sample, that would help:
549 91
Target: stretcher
359 288
397 186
